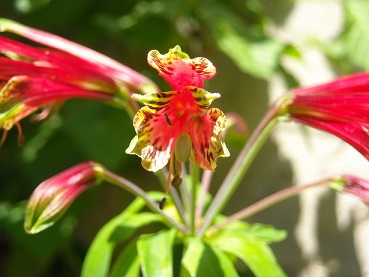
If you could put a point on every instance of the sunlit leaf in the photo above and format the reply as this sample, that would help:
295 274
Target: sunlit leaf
266 233
156 254
356 36
98 258
257 57
255 253
202 259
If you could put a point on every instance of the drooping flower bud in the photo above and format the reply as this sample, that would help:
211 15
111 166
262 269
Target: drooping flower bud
51 198
339 107
33 78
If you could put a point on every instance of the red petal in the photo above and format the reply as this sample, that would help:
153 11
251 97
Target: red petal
120 71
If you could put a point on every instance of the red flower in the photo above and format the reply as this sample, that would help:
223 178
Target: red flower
176 125
51 198
33 78
340 107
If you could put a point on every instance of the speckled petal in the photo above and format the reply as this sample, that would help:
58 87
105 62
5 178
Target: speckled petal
154 141
179 70
205 133
202 97
155 101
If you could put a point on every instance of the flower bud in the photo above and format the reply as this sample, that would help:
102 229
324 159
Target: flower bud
51 198
353 185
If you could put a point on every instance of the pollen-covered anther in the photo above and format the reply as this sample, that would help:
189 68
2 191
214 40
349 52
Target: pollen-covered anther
162 203
176 181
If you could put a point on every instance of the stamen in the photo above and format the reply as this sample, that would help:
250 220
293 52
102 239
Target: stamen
164 200
3 137
21 138
162 203
176 181
42 115
176 167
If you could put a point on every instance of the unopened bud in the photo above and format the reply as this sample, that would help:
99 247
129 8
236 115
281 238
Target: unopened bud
51 198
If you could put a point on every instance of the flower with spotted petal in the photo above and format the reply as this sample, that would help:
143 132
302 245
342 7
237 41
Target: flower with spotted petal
176 126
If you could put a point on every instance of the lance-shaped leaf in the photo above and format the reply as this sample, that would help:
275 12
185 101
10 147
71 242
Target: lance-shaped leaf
202 259
99 256
51 198
155 252
253 251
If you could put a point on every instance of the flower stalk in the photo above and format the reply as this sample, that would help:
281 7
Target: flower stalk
119 181
243 162
194 184
268 202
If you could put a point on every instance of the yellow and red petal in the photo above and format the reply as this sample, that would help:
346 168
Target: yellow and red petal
179 70
205 132
202 97
154 141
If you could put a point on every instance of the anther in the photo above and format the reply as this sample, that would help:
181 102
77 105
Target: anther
162 203
176 181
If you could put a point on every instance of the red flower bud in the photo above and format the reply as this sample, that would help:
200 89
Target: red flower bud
51 198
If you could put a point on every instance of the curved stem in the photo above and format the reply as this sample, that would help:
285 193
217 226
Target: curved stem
185 196
241 165
135 190
173 192
195 179
205 184
269 201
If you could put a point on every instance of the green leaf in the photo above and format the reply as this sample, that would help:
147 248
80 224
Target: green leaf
202 259
127 263
156 254
254 252
257 57
99 255
27 6
356 37
266 233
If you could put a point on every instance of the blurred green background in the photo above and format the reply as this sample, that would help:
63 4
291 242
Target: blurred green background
237 36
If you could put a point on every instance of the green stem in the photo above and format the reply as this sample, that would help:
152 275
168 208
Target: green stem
185 196
269 201
241 165
135 190
204 189
173 192
195 179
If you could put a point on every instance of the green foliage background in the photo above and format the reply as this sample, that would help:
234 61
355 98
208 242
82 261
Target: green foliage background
231 33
